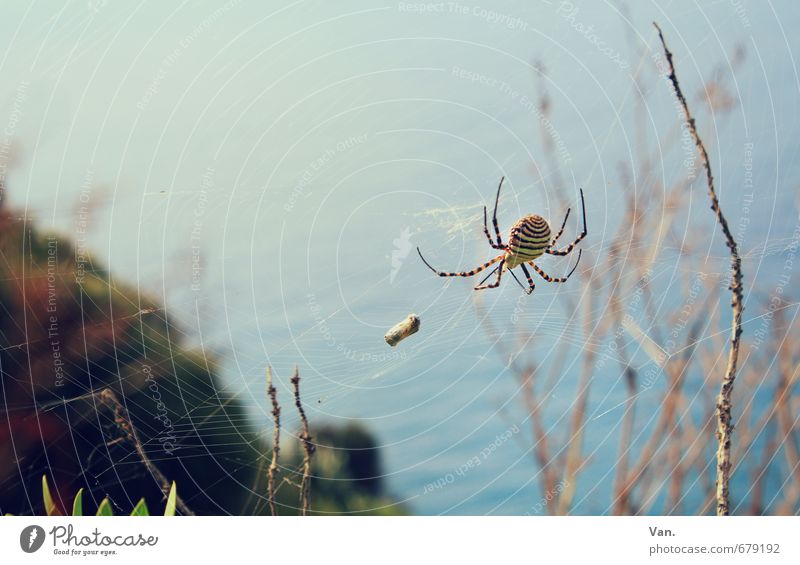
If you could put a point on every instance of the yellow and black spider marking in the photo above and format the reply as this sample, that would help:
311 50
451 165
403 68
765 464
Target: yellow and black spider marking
529 239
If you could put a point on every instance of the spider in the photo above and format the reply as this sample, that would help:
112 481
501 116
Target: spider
529 239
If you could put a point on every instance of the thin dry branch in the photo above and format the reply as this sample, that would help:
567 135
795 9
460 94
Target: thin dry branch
540 447
276 442
574 460
308 446
621 505
724 419
786 419
124 424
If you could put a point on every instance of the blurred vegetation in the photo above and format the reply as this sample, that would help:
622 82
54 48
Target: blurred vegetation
141 509
346 475
68 330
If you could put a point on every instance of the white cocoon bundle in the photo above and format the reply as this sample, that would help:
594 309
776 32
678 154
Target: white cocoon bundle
402 330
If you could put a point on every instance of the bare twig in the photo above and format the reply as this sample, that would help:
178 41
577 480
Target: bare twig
540 447
724 419
276 439
621 505
574 460
308 446
787 376
123 422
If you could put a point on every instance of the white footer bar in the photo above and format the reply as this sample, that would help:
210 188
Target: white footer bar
378 540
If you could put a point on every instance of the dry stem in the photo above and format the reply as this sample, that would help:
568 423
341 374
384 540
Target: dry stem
308 446
276 438
123 422
724 419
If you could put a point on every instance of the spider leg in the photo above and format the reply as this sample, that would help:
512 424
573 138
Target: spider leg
572 245
474 271
494 215
493 271
528 276
496 283
548 278
516 279
563 225
486 231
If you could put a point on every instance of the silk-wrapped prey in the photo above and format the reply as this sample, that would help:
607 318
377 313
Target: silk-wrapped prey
402 330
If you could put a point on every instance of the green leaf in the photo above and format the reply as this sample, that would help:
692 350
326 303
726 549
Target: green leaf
171 500
105 508
77 504
140 509
49 505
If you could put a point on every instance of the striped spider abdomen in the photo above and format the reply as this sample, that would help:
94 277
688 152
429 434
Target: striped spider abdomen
529 239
